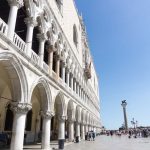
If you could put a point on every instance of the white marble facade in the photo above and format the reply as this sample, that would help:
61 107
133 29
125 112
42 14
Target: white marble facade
48 83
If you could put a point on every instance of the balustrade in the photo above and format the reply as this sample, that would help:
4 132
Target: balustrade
19 42
3 27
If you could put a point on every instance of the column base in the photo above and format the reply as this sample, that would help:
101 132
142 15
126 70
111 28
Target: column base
61 144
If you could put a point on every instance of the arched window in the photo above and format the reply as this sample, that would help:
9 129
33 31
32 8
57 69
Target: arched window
75 36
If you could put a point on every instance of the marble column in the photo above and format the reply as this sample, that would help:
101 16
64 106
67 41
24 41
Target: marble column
42 39
71 76
71 130
31 23
20 111
46 130
82 132
50 59
63 71
78 130
68 75
61 132
74 85
14 6
57 66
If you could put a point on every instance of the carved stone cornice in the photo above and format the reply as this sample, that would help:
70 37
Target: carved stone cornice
21 107
18 3
47 114
30 21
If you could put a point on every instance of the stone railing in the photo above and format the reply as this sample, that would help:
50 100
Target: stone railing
45 67
19 42
34 57
3 27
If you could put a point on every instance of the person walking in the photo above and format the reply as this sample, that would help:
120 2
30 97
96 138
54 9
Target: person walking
93 135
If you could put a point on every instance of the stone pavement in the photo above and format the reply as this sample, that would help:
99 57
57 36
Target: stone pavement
112 143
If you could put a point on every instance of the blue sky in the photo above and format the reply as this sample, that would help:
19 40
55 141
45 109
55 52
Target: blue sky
119 38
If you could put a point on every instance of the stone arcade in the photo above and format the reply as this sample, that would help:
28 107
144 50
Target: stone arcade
48 84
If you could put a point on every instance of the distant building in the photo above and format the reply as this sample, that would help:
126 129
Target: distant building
48 83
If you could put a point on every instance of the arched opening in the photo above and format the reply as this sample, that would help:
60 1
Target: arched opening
9 119
4 10
9 82
21 27
58 108
29 121
35 40
46 53
34 122
54 61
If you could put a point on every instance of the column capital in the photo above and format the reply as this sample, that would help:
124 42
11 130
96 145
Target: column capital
18 3
21 107
30 21
47 114
62 118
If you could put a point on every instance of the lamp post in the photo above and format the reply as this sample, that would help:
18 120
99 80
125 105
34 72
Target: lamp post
124 104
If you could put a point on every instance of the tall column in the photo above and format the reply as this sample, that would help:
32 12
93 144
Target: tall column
20 111
57 66
14 6
31 23
68 75
71 81
50 58
61 132
71 130
78 131
46 129
42 39
75 85
82 132
124 104
63 71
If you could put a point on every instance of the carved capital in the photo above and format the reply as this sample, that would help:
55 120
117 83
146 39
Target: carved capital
21 107
62 118
18 3
30 21
47 114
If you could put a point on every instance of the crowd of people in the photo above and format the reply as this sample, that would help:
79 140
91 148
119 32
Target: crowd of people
135 133
90 136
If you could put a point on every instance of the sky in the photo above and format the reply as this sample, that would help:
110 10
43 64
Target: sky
119 39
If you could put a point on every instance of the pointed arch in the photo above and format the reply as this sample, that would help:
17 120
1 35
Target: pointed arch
45 92
14 67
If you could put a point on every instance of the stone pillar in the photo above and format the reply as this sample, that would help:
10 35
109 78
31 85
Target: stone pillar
68 75
71 81
14 6
71 130
77 87
82 132
63 71
57 66
50 59
78 130
31 23
42 39
20 111
46 130
74 85
61 132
